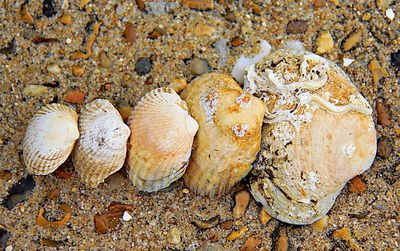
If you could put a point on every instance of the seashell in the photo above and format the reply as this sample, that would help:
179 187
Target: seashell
49 138
318 133
229 135
101 149
161 140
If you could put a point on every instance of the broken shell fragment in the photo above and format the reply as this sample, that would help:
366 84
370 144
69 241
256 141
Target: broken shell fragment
229 134
101 149
318 133
161 140
49 138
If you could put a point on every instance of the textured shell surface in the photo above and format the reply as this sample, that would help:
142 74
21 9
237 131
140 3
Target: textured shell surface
101 149
229 135
49 138
318 133
161 141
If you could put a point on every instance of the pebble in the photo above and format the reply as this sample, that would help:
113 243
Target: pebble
53 68
199 4
383 113
251 244
19 192
207 224
282 243
242 200
321 224
297 26
25 16
105 61
11 47
149 80
395 59
130 33
377 71
140 5
124 110
352 40
49 9
222 51
385 148
77 70
35 90
199 66
157 32
185 191
236 234
237 41
202 30
143 66
345 234
65 19
357 185
178 84
382 4
264 216
230 16
226 225
347 61
6 175
324 42
390 14
126 216
174 236
9 248
74 96
366 17
319 3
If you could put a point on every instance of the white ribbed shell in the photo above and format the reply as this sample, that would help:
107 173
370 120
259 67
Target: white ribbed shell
101 149
49 138
161 140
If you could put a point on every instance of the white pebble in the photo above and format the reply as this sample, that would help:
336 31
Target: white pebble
9 248
347 61
126 216
390 13
53 68
68 40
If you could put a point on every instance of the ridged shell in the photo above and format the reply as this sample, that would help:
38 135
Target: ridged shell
161 140
318 133
49 138
229 135
101 149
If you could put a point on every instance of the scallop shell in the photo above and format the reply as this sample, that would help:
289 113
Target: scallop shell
229 135
49 138
318 133
101 149
161 140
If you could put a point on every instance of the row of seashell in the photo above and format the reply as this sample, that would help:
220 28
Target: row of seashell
161 136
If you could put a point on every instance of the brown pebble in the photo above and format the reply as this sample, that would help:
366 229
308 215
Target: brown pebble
282 243
130 33
237 41
25 16
385 148
383 113
226 225
377 71
297 26
83 3
251 244
105 61
124 111
199 4
237 234
6 175
207 224
319 3
140 5
77 70
242 200
65 19
149 80
357 185
53 194
352 40
74 96
157 32
249 4
264 216
108 86
321 224
324 42
230 16
202 30
345 234
178 84
174 236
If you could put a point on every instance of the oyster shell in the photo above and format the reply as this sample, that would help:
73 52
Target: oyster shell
49 138
318 133
161 141
229 135
101 149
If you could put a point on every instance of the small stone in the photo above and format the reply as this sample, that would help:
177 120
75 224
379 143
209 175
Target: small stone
319 3
74 189
230 16
207 224
324 42
202 30
83 3
352 40
74 96
383 113
237 234
382 4
222 51
9 248
199 4
65 19
395 59
53 194
242 200
149 80
117 179
105 61
130 33
10 48
377 71
35 90
357 185
282 243
226 225
25 16
140 5
264 216
174 236
77 70
390 14
126 216
185 191
124 111
251 244
178 84
157 32
199 66
68 40
347 61
143 66
335 2
237 41
345 234
53 69
297 26
19 192
6 175
49 9
321 224
366 17
385 148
